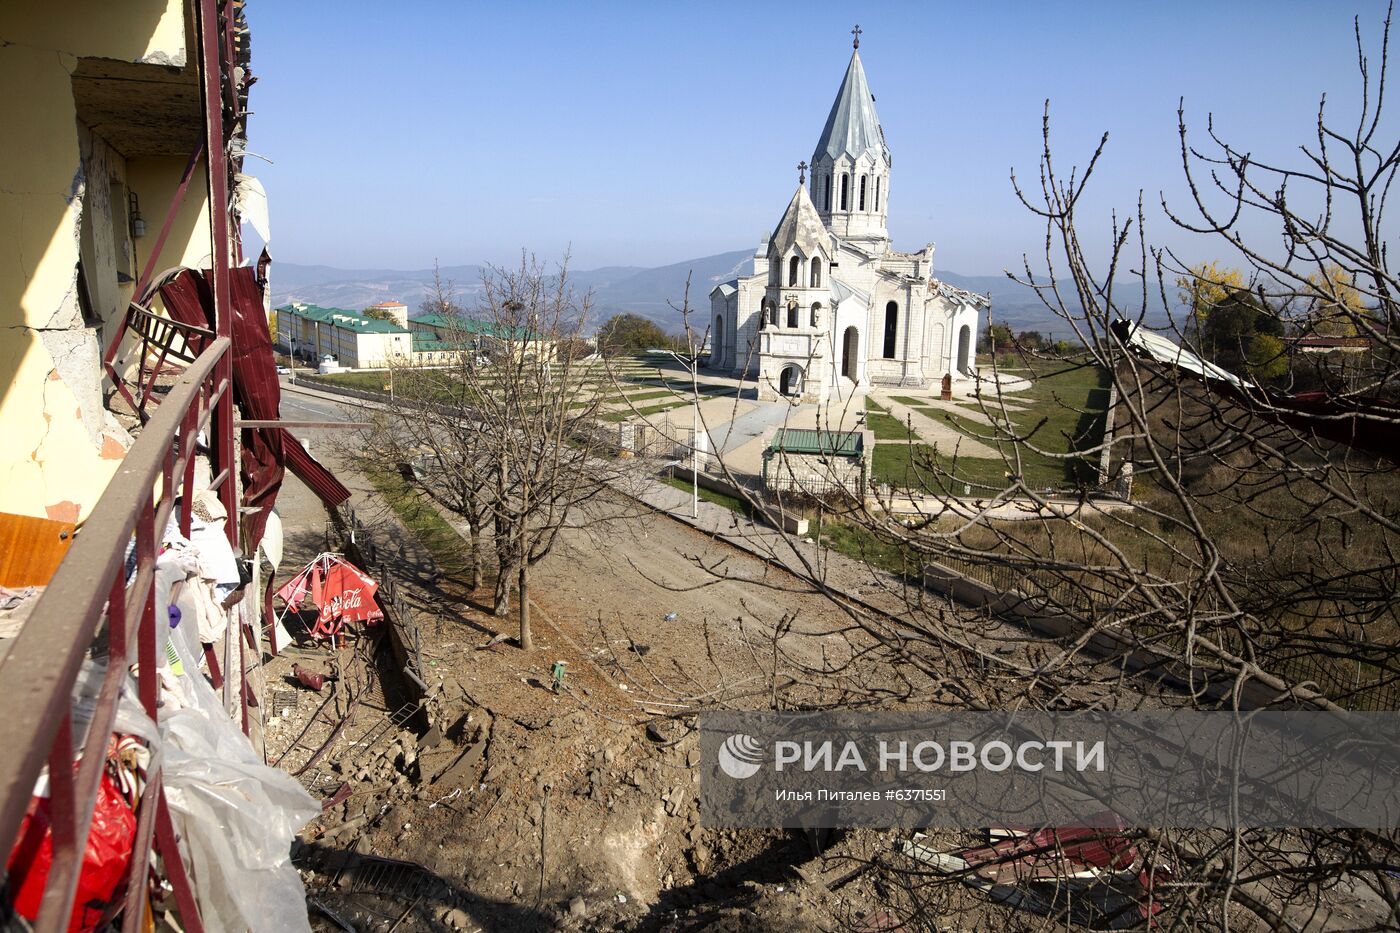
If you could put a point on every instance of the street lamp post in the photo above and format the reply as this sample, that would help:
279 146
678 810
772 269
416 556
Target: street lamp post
691 364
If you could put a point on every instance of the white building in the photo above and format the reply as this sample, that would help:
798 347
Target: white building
354 340
829 298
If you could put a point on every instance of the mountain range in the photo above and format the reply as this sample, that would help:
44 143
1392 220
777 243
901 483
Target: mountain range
648 292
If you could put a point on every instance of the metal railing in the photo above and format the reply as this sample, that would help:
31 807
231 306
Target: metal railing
99 590
101 599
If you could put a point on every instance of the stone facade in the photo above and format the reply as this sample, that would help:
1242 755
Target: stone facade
829 301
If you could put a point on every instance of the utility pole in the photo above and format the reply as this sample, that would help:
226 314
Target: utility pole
692 364
695 450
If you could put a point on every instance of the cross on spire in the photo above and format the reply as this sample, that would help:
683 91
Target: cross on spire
802 172
856 32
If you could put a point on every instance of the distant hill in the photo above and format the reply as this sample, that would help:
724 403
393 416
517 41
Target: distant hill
649 292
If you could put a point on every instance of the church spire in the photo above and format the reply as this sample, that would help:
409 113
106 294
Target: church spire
851 163
853 127
800 227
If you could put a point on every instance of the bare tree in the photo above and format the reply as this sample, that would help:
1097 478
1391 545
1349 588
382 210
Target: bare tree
1228 543
497 422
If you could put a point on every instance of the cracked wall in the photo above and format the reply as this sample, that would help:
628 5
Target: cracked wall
61 445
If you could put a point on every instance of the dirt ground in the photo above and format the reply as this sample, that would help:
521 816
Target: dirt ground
506 805
577 809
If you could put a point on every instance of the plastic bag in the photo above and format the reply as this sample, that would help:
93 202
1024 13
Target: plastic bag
104 860
236 818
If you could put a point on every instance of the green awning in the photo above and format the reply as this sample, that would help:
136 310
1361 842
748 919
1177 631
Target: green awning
810 441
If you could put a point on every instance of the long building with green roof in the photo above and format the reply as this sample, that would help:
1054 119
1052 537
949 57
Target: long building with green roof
358 341
354 340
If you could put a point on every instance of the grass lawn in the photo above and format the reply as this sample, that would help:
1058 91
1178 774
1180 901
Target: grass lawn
366 382
733 503
1069 400
1071 403
915 466
626 413
427 525
885 426
642 396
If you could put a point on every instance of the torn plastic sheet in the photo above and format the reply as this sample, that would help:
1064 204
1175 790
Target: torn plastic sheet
235 816
251 201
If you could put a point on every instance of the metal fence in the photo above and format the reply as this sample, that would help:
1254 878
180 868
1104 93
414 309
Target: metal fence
361 544
93 593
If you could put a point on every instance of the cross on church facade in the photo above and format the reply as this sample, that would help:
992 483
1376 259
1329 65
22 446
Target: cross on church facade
802 172
856 32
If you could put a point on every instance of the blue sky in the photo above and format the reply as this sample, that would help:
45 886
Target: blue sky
643 134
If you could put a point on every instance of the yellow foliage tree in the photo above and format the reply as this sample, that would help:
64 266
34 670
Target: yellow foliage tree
1207 284
1334 302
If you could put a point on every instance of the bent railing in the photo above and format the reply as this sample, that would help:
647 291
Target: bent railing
105 587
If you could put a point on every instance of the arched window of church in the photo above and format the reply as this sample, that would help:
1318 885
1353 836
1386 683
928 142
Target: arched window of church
816 273
826 185
816 314
891 328
771 314
794 267
877 194
862 192
845 190
792 314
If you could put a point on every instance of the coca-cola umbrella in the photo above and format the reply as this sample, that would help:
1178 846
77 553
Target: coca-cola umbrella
339 590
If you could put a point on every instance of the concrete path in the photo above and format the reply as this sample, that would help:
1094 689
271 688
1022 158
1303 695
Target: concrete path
948 439
749 426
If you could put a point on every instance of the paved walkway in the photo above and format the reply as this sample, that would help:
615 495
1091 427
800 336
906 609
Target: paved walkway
940 434
732 435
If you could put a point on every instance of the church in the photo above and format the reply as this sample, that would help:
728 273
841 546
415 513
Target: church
830 304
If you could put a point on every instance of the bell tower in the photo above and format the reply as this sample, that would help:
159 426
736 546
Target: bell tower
795 322
851 164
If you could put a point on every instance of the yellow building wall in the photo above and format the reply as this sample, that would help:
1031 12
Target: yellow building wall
155 180
60 447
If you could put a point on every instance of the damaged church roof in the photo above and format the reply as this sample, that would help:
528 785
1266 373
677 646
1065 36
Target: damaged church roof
841 291
962 295
852 128
801 226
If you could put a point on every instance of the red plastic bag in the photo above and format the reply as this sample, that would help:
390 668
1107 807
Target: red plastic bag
104 862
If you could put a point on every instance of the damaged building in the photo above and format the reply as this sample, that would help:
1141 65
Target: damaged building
143 460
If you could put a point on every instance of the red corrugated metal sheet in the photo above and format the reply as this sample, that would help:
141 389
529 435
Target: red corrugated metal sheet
322 481
259 396
187 298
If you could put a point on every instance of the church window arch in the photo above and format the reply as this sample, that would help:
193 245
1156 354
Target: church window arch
794 271
816 278
862 192
845 190
816 314
877 194
769 317
891 329
792 314
826 186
